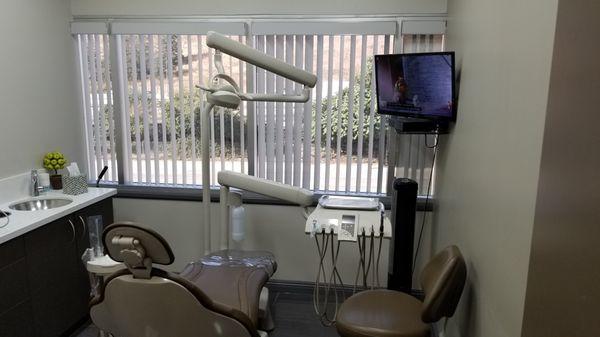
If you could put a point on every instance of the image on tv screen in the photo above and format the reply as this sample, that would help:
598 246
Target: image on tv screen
415 85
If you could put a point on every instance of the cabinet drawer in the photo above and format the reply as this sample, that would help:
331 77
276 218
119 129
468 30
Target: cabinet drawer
17 322
13 285
11 251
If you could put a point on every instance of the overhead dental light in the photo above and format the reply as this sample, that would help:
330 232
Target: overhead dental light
223 91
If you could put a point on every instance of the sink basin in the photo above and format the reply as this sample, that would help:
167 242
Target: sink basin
40 204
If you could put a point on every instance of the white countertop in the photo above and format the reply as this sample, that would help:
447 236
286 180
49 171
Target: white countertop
22 222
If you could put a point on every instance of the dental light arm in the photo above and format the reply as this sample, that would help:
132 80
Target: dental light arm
224 92
229 96
227 179
259 59
293 194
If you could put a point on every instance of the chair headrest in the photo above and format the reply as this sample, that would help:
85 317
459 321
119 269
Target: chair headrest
137 247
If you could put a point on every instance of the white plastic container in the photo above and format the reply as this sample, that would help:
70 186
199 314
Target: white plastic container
238 223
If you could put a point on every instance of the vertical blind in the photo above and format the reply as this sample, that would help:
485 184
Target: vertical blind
95 77
163 71
310 144
336 142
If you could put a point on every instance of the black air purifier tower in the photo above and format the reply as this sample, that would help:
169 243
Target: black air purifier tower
404 207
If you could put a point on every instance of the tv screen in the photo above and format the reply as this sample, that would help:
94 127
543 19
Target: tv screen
416 85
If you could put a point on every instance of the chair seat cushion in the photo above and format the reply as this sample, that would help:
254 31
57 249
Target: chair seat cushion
381 313
236 287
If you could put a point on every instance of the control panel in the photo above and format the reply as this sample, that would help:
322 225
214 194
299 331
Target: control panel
346 223
347 230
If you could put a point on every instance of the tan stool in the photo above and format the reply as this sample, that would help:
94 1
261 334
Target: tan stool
383 313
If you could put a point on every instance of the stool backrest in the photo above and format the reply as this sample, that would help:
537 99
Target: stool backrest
443 280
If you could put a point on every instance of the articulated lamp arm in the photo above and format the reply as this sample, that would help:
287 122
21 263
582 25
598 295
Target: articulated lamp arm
238 50
228 95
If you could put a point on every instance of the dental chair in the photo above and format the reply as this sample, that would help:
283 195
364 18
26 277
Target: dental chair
206 300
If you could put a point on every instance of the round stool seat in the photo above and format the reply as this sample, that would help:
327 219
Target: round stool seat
381 313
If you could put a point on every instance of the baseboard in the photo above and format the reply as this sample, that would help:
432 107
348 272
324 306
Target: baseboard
303 287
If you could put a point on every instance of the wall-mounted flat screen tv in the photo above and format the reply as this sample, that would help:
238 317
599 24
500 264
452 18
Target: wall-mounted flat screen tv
416 85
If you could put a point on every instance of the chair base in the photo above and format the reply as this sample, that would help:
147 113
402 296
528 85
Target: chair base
265 317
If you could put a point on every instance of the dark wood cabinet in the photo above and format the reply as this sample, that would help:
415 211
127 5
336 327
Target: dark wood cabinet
16 317
44 285
51 259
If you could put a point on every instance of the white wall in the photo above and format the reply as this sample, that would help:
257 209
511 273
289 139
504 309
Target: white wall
246 7
489 166
38 99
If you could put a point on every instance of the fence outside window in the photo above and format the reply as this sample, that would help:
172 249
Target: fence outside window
139 83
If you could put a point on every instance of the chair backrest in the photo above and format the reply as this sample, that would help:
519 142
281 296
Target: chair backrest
143 301
443 280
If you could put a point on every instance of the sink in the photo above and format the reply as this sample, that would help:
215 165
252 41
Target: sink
40 204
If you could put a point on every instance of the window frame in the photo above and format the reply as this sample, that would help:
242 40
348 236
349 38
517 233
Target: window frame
251 27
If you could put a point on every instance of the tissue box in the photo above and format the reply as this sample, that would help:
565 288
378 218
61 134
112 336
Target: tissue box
75 185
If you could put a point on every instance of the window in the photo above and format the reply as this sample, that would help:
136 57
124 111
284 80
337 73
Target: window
140 82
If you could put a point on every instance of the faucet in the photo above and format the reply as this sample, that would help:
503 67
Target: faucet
35 187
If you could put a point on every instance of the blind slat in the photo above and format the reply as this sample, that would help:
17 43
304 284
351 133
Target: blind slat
222 136
126 111
242 117
154 107
212 120
146 125
382 133
270 88
289 114
361 111
372 118
181 110
298 112
341 68
173 133
95 109
318 113
87 109
279 140
101 105
307 118
109 98
192 106
231 113
349 131
260 113
330 47
163 113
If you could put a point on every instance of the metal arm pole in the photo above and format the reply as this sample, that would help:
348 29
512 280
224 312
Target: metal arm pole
224 228
205 145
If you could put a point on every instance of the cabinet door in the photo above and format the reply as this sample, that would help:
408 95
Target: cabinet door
52 268
16 318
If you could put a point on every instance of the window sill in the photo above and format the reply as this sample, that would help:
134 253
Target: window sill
194 193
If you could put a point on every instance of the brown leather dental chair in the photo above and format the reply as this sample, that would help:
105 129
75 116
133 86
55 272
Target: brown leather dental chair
143 301
390 313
